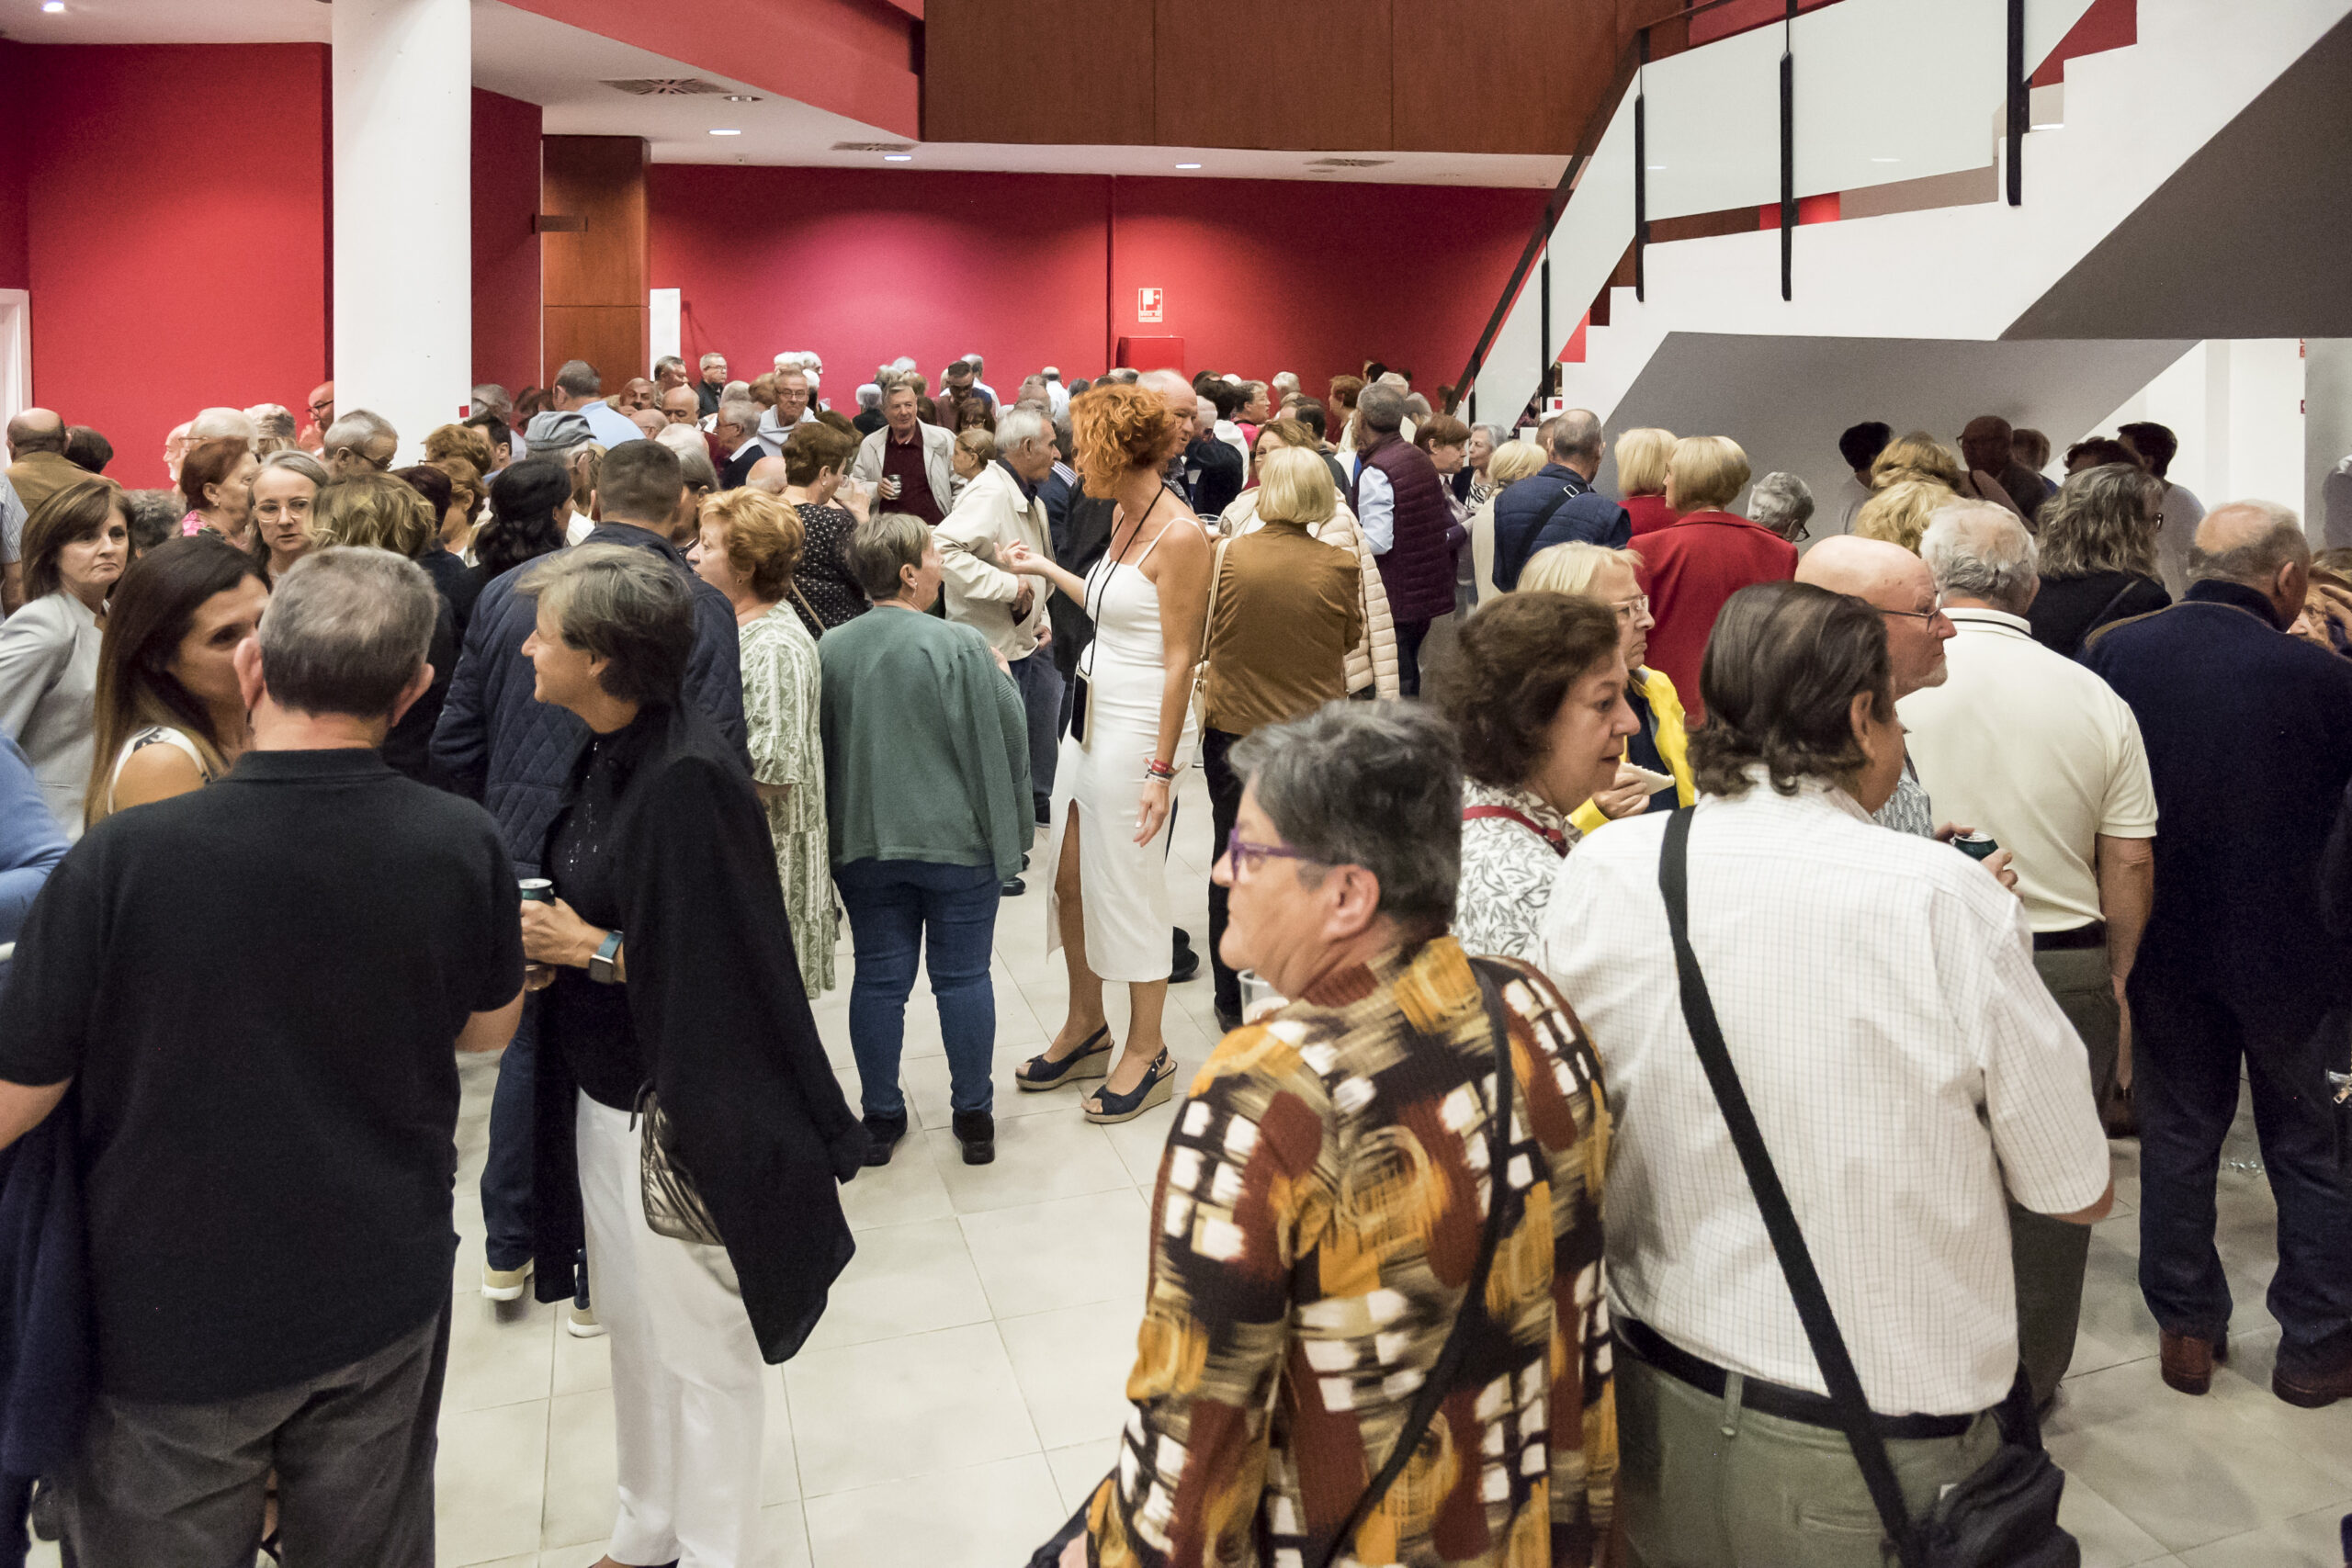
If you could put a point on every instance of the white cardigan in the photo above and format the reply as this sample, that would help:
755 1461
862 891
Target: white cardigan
938 445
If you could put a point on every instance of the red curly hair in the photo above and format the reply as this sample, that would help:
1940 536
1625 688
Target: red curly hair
1118 428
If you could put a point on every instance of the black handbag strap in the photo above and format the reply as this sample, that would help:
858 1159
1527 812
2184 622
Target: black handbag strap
1780 1221
1432 1391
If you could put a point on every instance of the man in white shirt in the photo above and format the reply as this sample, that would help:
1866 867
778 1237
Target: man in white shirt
791 409
1904 1064
999 507
576 391
1895 583
2040 754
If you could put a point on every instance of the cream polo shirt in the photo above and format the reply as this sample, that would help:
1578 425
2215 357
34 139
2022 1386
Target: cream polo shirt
2031 747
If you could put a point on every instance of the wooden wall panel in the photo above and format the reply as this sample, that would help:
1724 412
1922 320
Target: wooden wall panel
1499 75
1237 74
601 179
1038 71
616 339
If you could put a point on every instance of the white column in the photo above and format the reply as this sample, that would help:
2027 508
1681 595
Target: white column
404 213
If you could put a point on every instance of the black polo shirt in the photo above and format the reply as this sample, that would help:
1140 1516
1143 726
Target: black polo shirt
255 988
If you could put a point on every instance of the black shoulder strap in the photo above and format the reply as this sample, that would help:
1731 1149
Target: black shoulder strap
1551 506
1432 1391
1779 1220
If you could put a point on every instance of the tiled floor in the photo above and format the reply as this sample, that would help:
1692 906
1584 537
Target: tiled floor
962 1391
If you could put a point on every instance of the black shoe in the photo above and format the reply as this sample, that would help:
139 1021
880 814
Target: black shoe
1045 814
1011 888
1185 963
976 1130
1228 1019
882 1135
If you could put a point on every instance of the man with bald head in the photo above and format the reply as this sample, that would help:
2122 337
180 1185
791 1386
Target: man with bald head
1896 584
38 469
2040 753
2249 738
1558 505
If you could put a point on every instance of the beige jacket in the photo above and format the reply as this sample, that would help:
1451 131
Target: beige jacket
989 516
1372 661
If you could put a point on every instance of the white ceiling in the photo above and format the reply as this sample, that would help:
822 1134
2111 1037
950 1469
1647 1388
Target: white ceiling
564 69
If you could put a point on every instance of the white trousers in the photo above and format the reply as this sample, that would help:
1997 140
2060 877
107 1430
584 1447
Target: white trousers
689 1388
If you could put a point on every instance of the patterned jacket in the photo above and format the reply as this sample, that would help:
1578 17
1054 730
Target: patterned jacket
1315 1220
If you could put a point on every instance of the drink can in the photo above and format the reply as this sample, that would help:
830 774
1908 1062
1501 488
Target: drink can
1976 846
537 890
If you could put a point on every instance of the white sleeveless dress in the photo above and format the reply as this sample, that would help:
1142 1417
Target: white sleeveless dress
1129 924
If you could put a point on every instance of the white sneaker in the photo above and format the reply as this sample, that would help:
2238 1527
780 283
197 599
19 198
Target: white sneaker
506 1284
581 1322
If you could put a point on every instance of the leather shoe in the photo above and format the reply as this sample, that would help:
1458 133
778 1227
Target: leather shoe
976 1130
2312 1389
882 1135
2187 1360
1228 1019
1011 888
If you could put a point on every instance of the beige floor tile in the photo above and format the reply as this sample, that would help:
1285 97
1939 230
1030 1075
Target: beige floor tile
1140 1143
928 1084
488 1481
2109 1539
580 1364
2241 1386
779 1456
787 1529
2307 1540
1061 1253
583 1488
1072 1366
896 1409
906 1189
986 1515
1080 1467
499 1352
1037 1157
905 1280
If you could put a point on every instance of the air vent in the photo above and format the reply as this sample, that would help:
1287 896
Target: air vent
669 88
874 146
1350 163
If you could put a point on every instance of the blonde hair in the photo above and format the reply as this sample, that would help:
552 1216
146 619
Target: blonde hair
1917 455
1899 513
976 442
1295 486
1514 461
379 510
762 534
1571 568
1642 457
1709 473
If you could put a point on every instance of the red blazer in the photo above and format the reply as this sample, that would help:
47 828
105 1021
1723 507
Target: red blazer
1689 568
1649 513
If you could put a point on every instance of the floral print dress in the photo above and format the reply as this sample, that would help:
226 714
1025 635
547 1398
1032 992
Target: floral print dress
780 693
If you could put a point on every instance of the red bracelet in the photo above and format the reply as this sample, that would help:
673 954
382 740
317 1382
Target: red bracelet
1164 771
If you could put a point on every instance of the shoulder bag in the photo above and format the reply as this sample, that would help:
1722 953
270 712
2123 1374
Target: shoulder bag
1208 619
1448 1367
673 1204
2003 1515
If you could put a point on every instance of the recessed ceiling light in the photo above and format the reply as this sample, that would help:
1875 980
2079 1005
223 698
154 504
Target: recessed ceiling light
52 6
1188 166
897 157
743 97
727 133
1887 160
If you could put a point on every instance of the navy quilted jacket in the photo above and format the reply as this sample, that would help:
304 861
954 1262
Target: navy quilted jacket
504 747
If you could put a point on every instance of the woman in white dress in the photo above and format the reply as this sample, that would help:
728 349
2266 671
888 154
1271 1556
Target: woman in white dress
1133 732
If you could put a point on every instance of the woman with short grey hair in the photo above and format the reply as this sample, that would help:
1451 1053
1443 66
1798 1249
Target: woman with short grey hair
672 1001
1784 503
1365 1121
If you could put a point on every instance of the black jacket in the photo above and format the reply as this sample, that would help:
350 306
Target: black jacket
715 1001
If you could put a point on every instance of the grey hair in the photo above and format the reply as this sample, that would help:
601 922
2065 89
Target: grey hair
1125 376
1285 380
1982 551
1576 434
1381 407
1205 412
709 359
300 462
490 398
664 363
1373 785
360 427
1780 500
578 378
869 396
1496 434
2254 561
222 424
627 606
345 631
1418 406
1017 425
879 546
272 420
742 412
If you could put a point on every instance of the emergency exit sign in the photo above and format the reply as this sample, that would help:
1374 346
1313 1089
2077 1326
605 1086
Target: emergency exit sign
1147 302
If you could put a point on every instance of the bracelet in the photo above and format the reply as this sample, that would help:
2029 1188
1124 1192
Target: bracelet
1163 771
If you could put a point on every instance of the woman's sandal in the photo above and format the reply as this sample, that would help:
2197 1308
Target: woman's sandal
1158 1084
1090 1060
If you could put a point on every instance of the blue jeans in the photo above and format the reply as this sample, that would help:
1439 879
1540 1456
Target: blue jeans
1041 698
506 1174
893 905
2188 1045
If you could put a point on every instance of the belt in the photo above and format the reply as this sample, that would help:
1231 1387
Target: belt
1771 1398
2092 935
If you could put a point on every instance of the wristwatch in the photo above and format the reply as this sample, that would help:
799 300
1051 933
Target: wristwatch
600 964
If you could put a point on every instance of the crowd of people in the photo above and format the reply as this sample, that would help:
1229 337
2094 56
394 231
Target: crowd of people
1698 906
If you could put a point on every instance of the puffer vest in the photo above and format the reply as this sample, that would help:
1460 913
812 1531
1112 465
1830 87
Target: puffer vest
1417 570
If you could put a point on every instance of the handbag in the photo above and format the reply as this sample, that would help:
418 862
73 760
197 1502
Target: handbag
1208 619
673 1204
1433 1391
2003 1515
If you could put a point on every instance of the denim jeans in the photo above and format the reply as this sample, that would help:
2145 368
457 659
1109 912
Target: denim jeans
895 907
506 1173
1041 698
2188 1045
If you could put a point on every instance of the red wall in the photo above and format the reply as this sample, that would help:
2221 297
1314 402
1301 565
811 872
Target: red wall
15 166
862 265
178 249
506 242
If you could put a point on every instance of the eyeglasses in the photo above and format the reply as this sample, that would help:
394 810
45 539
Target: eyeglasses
1930 613
1246 855
1632 609
355 451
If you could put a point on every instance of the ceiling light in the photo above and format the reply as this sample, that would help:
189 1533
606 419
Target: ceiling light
727 133
897 157
1188 166
52 6
1887 160
743 97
